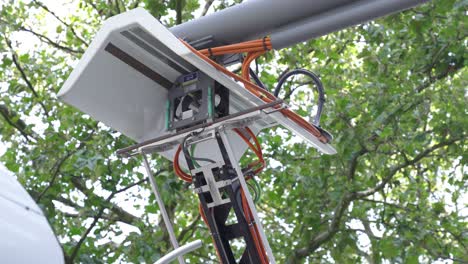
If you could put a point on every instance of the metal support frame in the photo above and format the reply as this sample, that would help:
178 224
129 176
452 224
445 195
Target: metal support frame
218 187
164 214
248 197
171 138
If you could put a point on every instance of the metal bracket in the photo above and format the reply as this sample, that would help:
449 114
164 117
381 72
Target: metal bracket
129 151
212 186
200 138
281 107
241 122
158 148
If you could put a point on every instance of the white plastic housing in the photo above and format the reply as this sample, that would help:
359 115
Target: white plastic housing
124 76
25 234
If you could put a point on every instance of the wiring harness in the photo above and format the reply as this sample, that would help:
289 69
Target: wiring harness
253 50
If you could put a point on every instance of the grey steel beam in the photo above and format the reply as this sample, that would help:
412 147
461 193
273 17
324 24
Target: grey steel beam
336 19
289 22
252 19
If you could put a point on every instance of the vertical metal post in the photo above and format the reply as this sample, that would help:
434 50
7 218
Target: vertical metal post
235 164
162 208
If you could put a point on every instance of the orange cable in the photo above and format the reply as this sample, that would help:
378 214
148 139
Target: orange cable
262 94
257 150
178 171
260 43
253 230
255 49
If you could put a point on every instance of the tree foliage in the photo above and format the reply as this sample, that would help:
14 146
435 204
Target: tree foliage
396 104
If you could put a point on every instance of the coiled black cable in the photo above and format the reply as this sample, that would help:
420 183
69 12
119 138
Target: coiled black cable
318 84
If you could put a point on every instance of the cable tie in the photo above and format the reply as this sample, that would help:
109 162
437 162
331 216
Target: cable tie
252 223
264 44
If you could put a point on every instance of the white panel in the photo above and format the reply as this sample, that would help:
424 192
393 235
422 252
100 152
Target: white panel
121 97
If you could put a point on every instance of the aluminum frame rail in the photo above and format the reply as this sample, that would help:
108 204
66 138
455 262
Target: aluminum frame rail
162 208
239 120
222 232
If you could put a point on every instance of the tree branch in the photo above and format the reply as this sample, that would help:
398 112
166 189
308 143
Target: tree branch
88 214
72 30
179 9
207 6
117 6
44 39
93 5
11 118
24 76
348 197
339 51
354 162
96 218
190 227
123 215
135 4
326 235
34 194
405 164
57 166
450 69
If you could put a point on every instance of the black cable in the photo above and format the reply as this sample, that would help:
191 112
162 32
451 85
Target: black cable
255 196
318 84
186 151
237 194
188 159
256 79
187 156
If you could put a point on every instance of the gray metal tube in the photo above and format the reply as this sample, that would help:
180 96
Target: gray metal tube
162 208
179 252
336 19
252 19
289 21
